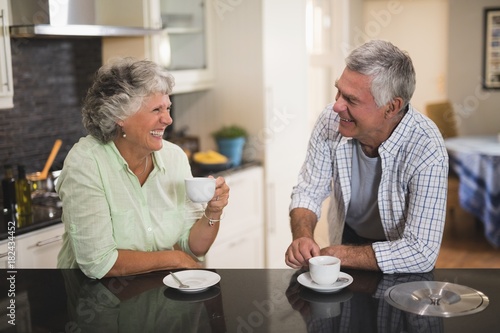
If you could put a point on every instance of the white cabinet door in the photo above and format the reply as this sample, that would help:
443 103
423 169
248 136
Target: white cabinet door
185 50
245 208
240 242
185 46
39 249
6 83
4 255
242 251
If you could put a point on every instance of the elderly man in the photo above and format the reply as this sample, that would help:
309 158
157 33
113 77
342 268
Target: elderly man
384 166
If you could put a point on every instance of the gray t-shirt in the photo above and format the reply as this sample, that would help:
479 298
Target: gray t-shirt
363 215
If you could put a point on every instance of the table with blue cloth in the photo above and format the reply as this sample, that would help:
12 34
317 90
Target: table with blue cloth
476 160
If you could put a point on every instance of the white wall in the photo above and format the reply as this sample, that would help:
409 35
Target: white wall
421 29
478 111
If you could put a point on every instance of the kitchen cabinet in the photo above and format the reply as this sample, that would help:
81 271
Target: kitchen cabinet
261 61
6 81
36 249
184 47
4 254
240 242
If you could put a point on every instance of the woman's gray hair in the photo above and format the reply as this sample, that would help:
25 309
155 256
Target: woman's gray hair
118 91
390 68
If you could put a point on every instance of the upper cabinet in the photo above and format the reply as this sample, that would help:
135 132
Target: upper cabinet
6 83
184 46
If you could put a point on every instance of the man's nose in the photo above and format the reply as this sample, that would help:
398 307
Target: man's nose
339 105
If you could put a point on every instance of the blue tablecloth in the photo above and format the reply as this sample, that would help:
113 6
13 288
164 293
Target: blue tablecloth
479 173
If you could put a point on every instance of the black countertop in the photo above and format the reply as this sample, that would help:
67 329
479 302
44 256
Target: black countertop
204 171
43 216
245 300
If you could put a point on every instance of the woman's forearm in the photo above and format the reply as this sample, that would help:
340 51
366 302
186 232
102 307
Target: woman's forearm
203 234
131 262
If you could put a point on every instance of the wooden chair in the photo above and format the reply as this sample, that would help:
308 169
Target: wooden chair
443 116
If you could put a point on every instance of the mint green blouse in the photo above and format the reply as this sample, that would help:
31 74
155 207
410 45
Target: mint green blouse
105 208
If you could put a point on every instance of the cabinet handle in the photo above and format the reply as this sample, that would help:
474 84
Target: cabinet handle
49 241
272 209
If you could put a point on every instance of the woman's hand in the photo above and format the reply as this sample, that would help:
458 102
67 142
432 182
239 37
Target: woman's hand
220 198
185 260
205 230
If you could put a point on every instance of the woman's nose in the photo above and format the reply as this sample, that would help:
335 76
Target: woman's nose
166 119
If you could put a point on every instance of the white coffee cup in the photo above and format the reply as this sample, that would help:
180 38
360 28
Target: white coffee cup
200 189
324 270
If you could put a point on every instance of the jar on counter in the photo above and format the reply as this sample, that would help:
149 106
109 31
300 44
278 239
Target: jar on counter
23 198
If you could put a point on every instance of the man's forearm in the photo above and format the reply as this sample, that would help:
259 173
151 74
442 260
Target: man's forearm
354 256
302 222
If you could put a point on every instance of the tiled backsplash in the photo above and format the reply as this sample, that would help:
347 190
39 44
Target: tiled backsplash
51 77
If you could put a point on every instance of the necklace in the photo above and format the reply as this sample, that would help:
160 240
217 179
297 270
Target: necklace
145 167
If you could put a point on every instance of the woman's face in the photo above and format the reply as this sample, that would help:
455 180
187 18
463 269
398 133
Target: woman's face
144 130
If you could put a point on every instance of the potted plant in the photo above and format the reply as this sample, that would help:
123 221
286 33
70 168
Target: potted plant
230 141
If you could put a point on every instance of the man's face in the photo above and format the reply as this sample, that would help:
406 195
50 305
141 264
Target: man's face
360 118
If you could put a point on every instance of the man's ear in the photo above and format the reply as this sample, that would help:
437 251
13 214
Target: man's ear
393 107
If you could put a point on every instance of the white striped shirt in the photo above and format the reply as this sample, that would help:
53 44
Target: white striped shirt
412 191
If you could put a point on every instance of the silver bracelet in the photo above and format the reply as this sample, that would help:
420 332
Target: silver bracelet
211 222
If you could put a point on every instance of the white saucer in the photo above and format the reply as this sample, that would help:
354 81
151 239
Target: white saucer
197 279
305 280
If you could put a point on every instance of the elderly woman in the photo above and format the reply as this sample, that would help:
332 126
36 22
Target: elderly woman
125 208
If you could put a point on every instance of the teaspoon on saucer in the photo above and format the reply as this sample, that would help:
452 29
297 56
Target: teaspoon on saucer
181 285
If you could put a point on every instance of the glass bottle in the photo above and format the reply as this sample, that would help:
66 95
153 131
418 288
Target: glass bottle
9 191
23 198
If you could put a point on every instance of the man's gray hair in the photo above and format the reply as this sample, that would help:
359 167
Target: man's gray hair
390 68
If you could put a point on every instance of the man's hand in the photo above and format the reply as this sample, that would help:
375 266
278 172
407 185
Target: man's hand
303 247
300 251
